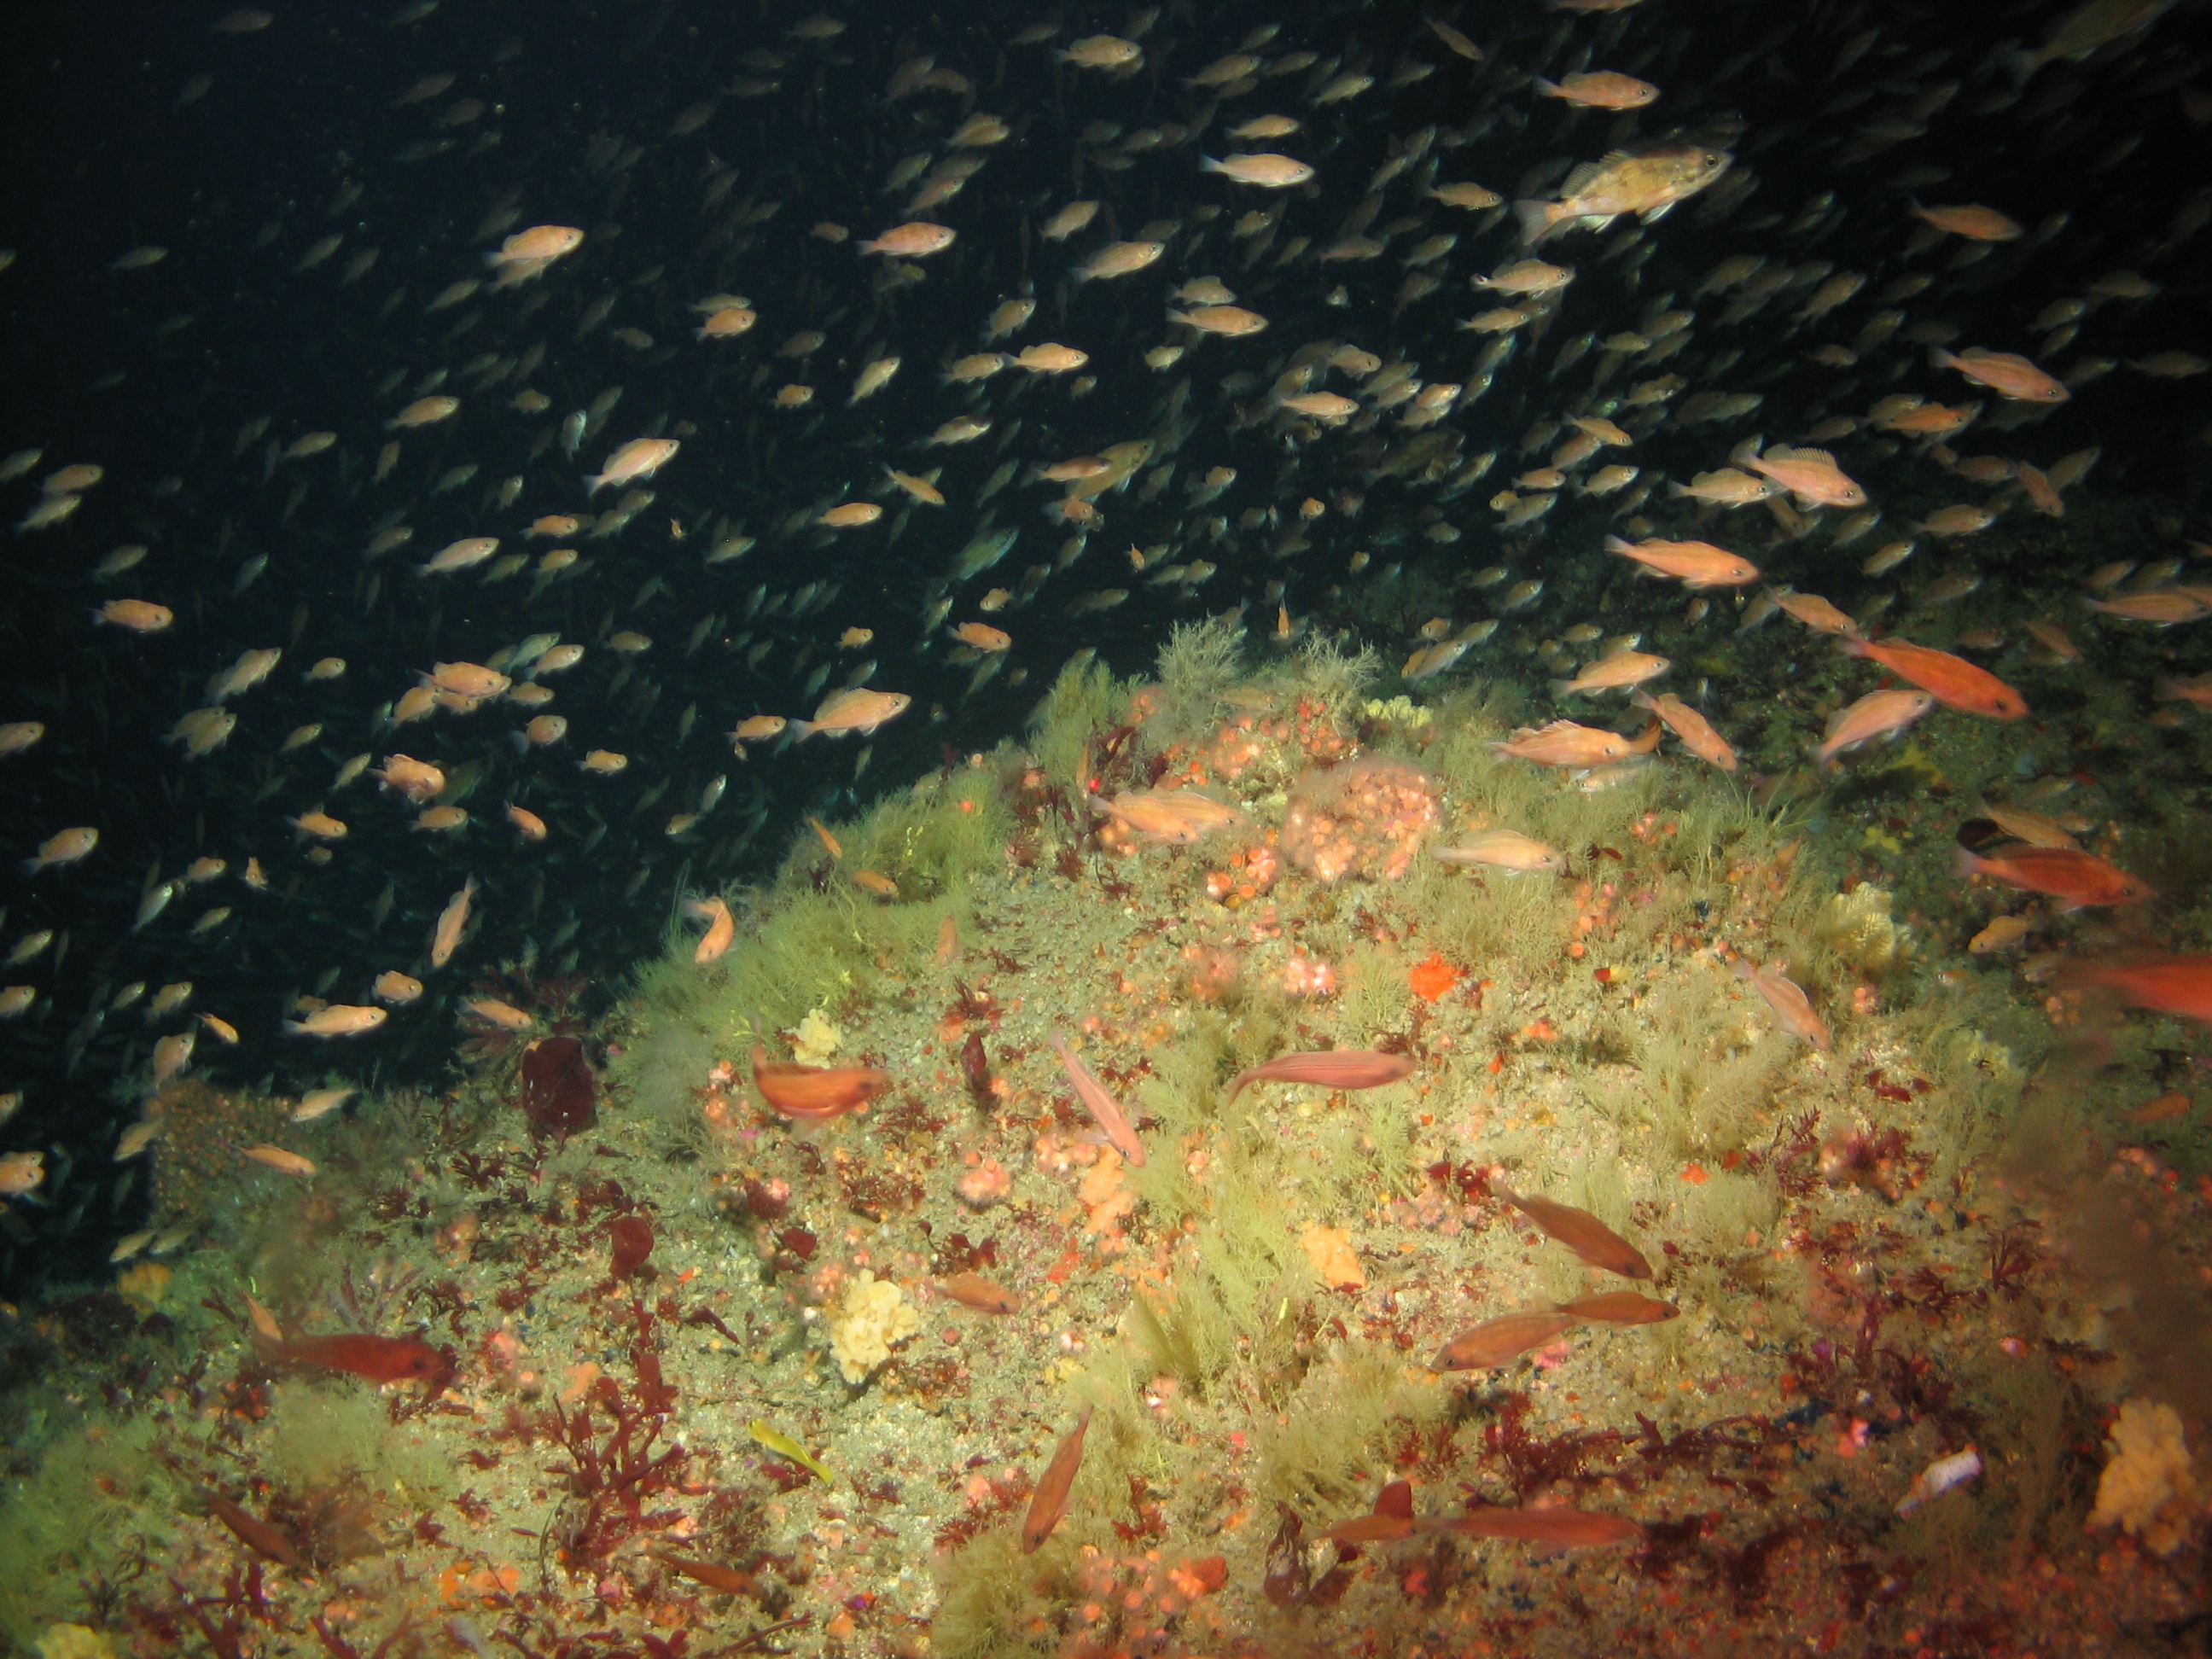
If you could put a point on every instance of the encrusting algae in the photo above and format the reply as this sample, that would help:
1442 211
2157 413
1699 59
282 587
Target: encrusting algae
1334 1297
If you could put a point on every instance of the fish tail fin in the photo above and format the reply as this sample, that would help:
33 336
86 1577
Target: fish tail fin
1549 88
1964 863
1675 490
1745 452
1615 544
1208 164
1940 357
1851 643
1563 688
1537 219
800 730
591 482
1643 700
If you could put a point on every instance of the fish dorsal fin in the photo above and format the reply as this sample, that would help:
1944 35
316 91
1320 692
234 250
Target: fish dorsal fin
1818 457
1588 171
1396 1499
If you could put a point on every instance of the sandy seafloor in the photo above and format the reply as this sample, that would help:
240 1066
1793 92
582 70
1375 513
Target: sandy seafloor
1960 1227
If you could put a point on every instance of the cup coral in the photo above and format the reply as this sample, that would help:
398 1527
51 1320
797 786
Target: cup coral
1368 819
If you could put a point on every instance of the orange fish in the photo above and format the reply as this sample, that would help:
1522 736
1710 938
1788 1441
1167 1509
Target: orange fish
1694 564
974 1291
1330 1068
1809 474
378 1358
1695 730
2080 879
2168 984
814 1094
714 1577
1580 1231
854 709
1877 714
1102 1105
1621 1307
1791 1006
1502 1341
2005 373
270 1543
1049 1501
1563 743
1565 1529
1951 681
722 927
284 1162
981 637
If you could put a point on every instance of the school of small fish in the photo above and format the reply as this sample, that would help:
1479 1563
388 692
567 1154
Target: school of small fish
440 539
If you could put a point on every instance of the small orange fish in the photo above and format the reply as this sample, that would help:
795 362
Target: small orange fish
378 1358
981 637
1102 1106
264 1539
1563 743
1951 681
974 1291
855 709
1815 612
2005 373
1329 1068
1693 729
1580 1231
1565 1529
1877 714
1049 1501
721 929
814 1094
2167 984
828 840
1621 1307
728 1580
2081 880
1791 1006
1502 1341
1694 564
284 1162
876 882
